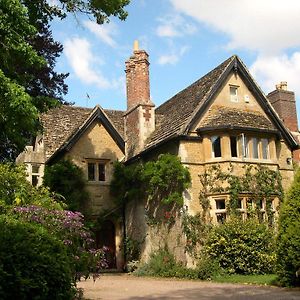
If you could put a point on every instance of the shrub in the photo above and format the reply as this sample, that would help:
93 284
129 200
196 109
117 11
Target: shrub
33 263
207 268
163 264
242 247
69 228
288 250
16 190
67 179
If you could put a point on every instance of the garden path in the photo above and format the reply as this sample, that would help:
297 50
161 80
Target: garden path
127 287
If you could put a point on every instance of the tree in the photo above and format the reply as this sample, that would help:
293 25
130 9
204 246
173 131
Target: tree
67 179
28 83
288 252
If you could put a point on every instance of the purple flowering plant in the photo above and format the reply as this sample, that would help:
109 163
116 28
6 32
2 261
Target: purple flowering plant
68 226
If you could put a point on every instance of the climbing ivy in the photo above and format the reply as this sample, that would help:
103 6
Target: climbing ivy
258 183
160 182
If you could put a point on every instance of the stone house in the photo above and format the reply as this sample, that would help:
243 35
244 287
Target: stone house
223 118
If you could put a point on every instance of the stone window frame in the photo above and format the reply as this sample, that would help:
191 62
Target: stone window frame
100 175
219 215
245 143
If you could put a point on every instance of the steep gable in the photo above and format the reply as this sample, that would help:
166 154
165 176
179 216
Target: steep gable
64 124
175 114
180 114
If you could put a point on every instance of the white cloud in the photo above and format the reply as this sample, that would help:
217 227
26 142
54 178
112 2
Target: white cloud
104 32
80 57
173 57
267 26
271 70
173 25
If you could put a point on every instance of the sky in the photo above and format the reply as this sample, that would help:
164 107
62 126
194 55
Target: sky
185 39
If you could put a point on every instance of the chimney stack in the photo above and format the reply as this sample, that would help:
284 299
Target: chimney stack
140 116
137 78
284 103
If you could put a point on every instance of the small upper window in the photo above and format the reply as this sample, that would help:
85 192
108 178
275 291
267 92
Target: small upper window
101 170
91 171
216 146
233 93
96 171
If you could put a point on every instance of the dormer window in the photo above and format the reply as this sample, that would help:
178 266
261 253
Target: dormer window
233 93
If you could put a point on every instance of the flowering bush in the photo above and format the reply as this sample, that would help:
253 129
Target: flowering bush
69 228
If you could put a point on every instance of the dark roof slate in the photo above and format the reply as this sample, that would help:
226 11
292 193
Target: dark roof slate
59 124
221 116
177 112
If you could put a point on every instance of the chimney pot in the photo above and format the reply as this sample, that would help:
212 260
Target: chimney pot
136 45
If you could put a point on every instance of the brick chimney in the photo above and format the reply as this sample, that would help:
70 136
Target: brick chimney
284 103
140 117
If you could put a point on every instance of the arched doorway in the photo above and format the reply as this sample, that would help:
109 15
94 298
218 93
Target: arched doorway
106 237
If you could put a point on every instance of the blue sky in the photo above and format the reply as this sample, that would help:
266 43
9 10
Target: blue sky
185 39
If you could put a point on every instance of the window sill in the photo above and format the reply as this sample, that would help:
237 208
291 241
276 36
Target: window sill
98 183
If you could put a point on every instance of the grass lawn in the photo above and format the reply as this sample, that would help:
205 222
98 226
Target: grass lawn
267 279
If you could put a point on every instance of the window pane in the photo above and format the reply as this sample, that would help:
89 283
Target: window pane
91 171
101 169
265 148
216 146
234 94
255 147
245 145
35 180
233 146
35 168
221 217
220 204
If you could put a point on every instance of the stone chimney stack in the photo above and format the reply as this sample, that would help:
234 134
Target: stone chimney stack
284 103
139 118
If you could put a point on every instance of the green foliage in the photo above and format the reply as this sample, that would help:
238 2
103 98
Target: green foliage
196 231
67 179
162 181
28 83
16 190
68 227
259 182
18 115
33 263
166 179
133 249
127 184
163 264
288 250
242 247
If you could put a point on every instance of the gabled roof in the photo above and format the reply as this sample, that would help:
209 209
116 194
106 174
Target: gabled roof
179 114
65 124
177 111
